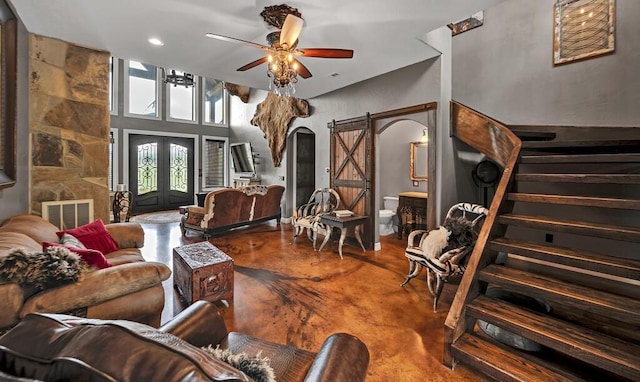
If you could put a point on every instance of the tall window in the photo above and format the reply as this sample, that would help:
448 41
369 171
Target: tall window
214 102
182 102
142 90
214 162
113 85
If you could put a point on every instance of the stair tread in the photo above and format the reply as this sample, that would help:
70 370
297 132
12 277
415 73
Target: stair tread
587 345
582 158
573 226
581 143
580 178
627 268
573 200
526 135
598 302
501 364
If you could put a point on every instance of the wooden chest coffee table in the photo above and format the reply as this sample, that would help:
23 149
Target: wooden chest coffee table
201 271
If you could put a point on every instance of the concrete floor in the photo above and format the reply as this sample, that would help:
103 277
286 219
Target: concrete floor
289 293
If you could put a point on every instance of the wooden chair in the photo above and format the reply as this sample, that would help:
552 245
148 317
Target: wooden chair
452 261
307 216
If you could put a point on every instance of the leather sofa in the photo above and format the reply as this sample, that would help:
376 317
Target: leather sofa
64 348
229 208
131 289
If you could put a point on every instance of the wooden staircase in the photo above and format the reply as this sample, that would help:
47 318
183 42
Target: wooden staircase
564 229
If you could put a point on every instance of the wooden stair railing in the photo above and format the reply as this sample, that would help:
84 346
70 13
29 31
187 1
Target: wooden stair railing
499 144
563 229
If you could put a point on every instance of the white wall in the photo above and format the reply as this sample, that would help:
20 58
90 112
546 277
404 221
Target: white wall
504 69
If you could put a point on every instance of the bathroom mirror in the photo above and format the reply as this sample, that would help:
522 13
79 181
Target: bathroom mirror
419 165
8 75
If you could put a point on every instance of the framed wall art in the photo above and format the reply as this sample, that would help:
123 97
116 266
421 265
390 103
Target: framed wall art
582 29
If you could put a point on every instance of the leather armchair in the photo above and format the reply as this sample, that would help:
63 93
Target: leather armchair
60 347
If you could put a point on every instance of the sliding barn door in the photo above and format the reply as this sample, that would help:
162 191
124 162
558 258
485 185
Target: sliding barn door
351 169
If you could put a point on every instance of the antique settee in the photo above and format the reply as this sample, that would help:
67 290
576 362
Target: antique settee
228 208
130 289
54 347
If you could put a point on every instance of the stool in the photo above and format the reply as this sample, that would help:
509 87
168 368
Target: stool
201 271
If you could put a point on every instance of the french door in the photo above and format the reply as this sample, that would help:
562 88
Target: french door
160 172
351 170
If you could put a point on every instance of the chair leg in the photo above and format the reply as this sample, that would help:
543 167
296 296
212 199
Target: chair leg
438 291
431 280
414 270
298 231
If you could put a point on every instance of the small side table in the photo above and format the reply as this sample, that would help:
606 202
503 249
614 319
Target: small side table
201 271
342 223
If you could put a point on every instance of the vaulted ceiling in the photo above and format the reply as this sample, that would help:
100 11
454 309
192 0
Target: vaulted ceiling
385 35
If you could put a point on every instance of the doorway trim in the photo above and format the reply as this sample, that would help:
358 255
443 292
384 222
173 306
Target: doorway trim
290 171
125 152
380 121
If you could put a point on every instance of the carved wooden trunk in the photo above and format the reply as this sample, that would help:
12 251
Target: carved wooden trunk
201 271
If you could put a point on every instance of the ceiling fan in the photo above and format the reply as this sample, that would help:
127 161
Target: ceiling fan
282 51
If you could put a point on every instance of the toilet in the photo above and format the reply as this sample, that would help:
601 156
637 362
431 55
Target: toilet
386 215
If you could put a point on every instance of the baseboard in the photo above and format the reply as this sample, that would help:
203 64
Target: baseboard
377 246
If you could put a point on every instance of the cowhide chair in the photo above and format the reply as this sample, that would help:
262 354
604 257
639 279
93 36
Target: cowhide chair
463 222
307 216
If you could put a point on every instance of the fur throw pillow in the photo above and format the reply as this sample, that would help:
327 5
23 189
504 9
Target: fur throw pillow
42 270
462 233
256 368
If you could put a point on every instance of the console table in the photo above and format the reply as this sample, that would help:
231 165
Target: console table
412 212
342 223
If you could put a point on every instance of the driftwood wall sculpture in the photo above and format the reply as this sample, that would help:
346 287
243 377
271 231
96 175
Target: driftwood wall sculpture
273 116
239 91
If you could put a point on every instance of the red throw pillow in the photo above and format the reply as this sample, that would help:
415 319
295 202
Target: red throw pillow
90 256
94 236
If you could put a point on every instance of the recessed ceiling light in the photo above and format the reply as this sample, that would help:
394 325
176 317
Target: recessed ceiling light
155 41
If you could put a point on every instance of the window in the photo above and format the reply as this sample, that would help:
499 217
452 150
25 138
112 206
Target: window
214 162
113 85
182 101
214 102
142 90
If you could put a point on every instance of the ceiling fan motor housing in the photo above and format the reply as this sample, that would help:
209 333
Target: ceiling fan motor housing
275 15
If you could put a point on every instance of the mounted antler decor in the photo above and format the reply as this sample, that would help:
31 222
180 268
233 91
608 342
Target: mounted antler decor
273 116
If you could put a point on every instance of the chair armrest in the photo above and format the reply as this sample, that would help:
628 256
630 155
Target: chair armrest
127 235
201 324
196 210
97 287
412 237
342 357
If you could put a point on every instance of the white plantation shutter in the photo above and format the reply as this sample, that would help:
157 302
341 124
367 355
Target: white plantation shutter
213 174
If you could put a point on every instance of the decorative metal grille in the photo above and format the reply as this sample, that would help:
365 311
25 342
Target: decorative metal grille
583 28
147 168
178 170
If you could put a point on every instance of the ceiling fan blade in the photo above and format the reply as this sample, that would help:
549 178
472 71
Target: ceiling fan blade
236 40
326 52
302 70
290 30
252 64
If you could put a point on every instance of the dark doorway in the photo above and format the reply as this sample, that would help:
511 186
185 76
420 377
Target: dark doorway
160 172
305 166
